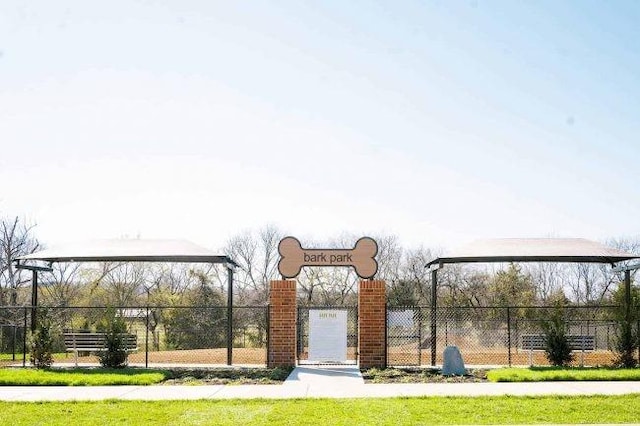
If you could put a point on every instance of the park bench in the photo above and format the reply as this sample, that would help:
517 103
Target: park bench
95 342
577 342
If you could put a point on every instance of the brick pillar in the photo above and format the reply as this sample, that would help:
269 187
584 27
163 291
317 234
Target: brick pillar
282 324
372 345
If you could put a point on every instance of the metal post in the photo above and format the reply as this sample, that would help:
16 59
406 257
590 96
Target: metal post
509 334
419 335
24 339
268 319
434 305
386 330
627 296
34 299
229 315
638 336
146 342
15 336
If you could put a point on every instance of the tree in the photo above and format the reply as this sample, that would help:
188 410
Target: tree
114 328
413 270
548 277
557 348
511 287
200 325
41 341
627 333
16 239
62 286
403 293
257 256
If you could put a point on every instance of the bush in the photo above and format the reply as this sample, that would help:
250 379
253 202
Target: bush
557 350
115 354
40 341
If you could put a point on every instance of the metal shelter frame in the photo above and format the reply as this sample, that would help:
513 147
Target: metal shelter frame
563 250
160 251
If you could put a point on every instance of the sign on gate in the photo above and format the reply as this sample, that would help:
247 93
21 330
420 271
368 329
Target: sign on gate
400 318
328 335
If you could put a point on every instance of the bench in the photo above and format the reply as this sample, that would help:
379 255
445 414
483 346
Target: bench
537 342
95 342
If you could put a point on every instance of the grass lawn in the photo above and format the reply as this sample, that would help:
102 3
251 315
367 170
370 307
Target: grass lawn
382 411
137 376
80 377
539 374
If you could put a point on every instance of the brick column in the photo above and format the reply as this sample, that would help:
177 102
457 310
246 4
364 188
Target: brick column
372 345
282 324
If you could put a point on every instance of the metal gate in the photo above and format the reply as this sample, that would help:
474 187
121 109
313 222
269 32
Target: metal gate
303 333
407 337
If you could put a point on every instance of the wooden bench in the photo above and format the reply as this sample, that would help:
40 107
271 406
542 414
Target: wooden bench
537 342
95 342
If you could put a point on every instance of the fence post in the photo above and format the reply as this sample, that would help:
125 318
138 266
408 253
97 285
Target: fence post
146 342
229 315
24 339
434 305
386 336
419 336
266 332
13 346
509 334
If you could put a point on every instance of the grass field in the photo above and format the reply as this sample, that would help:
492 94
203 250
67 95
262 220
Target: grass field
137 376
383 411
539 374
83 377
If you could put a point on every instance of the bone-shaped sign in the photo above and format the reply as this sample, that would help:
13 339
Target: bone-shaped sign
362 257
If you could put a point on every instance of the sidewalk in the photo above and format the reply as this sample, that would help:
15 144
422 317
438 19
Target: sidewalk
312 382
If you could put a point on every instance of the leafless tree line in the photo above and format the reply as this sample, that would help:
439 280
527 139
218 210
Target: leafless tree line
256 253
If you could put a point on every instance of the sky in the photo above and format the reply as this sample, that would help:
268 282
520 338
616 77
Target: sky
436 121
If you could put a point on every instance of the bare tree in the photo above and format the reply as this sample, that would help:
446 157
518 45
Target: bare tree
16 239
548 277
117 284
63 286
257 256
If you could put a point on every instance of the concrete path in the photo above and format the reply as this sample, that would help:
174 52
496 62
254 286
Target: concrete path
290 390
312 382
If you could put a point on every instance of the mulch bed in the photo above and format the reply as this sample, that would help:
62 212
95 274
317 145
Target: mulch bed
421 375
227 376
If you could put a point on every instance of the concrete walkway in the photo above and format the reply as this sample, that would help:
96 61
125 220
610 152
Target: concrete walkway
312 382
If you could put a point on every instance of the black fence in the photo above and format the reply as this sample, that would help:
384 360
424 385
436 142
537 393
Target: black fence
199 335
165 335
490 336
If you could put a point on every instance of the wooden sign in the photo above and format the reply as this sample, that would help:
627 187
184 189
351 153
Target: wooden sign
362 257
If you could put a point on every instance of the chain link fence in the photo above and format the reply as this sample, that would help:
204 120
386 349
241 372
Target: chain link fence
165 335
488 336
198 335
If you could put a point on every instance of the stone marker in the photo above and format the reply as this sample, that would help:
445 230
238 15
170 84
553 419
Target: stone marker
453 364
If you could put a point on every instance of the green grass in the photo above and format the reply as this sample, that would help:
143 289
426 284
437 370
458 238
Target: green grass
540 374
367 411
9 357
79 377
